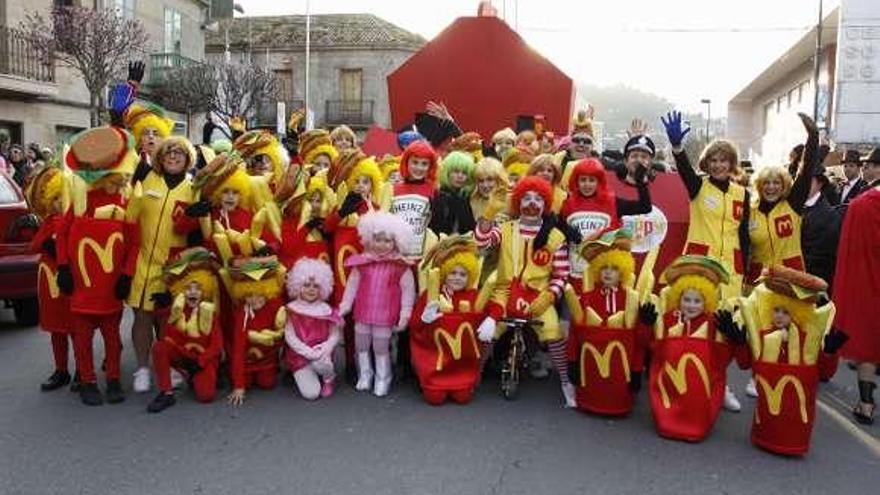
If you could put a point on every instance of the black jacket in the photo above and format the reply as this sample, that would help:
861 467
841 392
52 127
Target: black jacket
857 189
820 233
451 213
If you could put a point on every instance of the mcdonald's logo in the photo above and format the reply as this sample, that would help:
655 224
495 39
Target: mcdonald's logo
192 346
784 226
737 210
541 257
51 281
454 343
603 359
522 306
342 255
255 354
678 376
773 395
104 254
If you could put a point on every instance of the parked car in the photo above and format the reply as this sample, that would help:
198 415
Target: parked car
18 266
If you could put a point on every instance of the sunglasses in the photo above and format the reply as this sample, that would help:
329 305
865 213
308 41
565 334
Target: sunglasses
582 141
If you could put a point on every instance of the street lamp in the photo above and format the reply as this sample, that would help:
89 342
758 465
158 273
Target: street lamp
708 103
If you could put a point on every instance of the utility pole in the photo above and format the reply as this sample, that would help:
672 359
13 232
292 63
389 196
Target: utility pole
308 60
708 103
817 58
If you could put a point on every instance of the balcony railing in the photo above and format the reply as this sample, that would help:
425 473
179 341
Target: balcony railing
20 57
162 63
266 113
350 112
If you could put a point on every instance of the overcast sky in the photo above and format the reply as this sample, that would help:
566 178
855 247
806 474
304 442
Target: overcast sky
683 50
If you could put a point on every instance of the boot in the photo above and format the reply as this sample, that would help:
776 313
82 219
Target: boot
365 372
114 392
161 402
56 381
383 375
90 395
866 396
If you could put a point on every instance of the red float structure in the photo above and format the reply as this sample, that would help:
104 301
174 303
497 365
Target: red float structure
486 75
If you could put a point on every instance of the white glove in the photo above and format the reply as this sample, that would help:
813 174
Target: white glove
486 330
431 312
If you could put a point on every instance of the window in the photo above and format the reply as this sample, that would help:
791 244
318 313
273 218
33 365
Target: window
768 112
285 84
124 8
63 3
350 88
64 133
778 104
172 31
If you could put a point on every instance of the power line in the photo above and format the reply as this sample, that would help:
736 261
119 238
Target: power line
689 30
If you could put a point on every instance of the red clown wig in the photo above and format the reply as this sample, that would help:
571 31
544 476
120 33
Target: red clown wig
593 168
420 149
530 183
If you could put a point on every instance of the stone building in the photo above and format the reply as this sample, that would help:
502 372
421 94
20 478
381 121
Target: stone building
351 56
47 103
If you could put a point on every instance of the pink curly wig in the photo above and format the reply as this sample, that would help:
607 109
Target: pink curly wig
383 222
309 268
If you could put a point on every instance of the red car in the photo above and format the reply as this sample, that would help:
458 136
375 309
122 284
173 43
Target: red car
18 266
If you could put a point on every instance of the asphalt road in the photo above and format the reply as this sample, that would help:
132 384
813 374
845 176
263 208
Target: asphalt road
358 444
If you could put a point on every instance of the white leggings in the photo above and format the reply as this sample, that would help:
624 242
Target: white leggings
366 336
308 378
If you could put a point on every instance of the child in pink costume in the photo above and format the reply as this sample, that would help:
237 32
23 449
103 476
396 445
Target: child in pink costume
313 328
381 293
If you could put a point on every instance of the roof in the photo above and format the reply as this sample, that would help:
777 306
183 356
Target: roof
800 53
328 31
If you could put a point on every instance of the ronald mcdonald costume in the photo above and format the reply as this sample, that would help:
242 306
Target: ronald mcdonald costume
97 250
689 354
191 340
443 341
606 340
259 319
532 270
789 356
46 196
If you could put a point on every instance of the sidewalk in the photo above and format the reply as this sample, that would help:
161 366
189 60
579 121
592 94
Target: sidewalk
841 394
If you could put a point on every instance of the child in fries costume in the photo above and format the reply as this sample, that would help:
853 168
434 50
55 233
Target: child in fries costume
443 342
46 197
302 220
97 249
532 271
259 319
606 340
380 294
411 199
313 330
792 347
191 340
689 352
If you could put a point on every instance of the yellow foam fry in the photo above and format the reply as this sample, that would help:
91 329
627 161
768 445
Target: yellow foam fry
702 332
645 281
772 347
386 194
591 318
794 345
281 319
749 316
486 292
631 310
574 305
206 317
221 241
616 320
816 329
675 330
433 286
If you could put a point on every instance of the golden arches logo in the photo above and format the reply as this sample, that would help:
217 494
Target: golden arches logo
774 395
192 346
44 271
541 257
454 343
603 359
342 255
104 254
678 376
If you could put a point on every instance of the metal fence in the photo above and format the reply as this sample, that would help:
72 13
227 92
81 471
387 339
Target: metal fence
162 63
19 56
350 112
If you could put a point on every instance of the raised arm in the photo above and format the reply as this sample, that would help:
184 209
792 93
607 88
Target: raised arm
676 133
800 190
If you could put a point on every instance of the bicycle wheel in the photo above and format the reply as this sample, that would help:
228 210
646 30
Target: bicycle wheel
510 371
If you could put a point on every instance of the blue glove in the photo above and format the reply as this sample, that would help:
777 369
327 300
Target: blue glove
674 130
121 97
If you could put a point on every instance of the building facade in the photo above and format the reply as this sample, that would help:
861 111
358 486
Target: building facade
48 103
350 57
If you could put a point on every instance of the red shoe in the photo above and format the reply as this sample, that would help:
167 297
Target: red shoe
328 387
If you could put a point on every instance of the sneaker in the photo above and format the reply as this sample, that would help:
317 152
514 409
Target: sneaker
56 381
90 395
142 380
114 392
537 368
751 389
731 403
177 379
569 394
161 402
327 388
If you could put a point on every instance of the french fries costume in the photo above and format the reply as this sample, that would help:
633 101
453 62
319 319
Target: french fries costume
689 357
787 363
445 352
605 344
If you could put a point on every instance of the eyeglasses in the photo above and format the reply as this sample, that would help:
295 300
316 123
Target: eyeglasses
176 151
581 140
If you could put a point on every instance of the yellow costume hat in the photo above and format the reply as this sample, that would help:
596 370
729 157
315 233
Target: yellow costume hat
612 248
140 117
192 265
316 142
256 276
261 142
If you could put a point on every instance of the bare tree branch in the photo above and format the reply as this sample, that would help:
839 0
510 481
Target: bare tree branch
97 43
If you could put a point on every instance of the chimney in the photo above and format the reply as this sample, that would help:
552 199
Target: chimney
486 9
